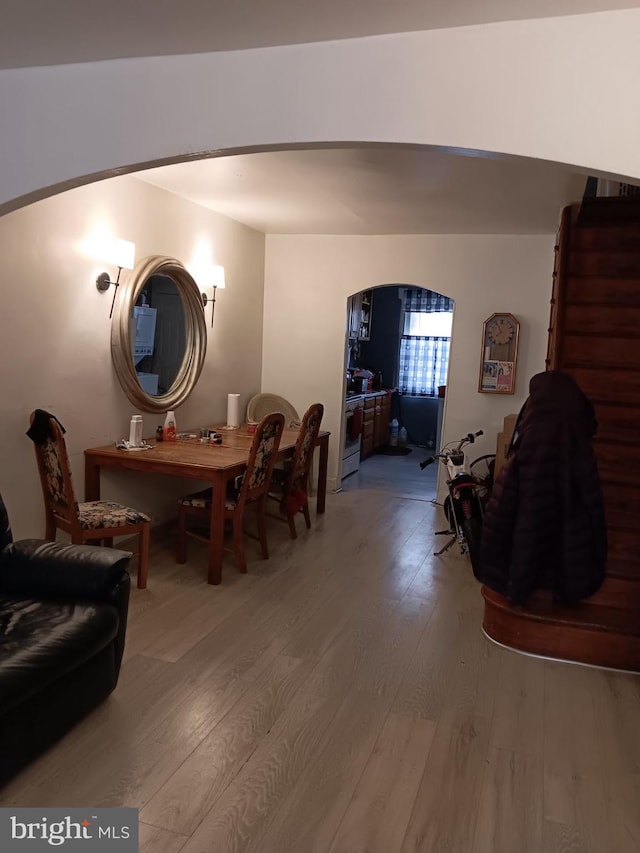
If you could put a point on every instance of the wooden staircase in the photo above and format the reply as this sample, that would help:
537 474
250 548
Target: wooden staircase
594 336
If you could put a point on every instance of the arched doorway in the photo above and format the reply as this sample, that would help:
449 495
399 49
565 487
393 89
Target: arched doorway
397 349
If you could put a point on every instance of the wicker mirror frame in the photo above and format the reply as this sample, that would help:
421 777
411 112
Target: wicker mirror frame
195 334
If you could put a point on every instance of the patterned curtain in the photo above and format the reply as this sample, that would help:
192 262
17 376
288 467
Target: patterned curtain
423 365
425 301
423 360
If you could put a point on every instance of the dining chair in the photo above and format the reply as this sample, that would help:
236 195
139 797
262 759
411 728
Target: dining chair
264 404
289 485
251 491
91 521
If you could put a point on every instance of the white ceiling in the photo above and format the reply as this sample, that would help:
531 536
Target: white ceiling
50 32
372 190
377 190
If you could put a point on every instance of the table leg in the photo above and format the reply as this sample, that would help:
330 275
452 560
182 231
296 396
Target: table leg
91 480
216 542
323 441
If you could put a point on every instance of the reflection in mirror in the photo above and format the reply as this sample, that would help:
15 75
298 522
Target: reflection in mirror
158 335
157 326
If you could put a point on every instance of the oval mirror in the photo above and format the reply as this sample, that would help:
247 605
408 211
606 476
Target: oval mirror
158 336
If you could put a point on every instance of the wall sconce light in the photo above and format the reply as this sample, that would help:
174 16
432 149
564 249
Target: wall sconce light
215 279
121 254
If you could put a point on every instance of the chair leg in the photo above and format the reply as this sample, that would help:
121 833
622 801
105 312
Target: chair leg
181 541
292 526
262 527
143 557
307 518
238 543
50 529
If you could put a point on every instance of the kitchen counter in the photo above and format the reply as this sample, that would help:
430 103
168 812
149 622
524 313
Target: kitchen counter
369 394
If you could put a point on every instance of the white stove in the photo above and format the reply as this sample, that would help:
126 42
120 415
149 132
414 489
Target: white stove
352 434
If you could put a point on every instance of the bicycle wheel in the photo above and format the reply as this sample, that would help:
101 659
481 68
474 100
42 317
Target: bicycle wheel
482 469
448 513
472 529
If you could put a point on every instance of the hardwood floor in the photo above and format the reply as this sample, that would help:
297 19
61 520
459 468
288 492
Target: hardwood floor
341 698
397 475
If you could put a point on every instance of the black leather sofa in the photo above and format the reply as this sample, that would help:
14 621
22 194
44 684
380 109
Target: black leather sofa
63 619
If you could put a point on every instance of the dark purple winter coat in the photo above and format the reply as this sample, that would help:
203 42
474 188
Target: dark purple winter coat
545 524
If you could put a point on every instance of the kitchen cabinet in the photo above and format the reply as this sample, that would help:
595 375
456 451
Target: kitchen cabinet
377 430
368 427
360 315
383 419
375 422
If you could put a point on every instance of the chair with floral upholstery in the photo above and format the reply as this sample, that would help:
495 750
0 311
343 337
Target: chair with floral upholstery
289 485
251 491
88 522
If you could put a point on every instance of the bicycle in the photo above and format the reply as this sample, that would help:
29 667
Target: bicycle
469 491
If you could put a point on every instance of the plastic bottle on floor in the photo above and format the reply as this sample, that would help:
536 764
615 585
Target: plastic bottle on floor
393 437
402 437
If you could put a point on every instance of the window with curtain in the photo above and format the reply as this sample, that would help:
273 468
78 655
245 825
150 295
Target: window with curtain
425 342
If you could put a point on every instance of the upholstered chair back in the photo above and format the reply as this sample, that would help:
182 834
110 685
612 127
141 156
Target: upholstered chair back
306 442
264 450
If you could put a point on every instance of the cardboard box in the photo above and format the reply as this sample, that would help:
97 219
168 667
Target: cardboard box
503 441
509 424
502 446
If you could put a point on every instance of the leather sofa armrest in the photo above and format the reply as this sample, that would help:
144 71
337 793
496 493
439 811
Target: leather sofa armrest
35 568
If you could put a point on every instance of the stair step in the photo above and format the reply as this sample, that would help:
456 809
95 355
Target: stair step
542 607
607 386
623 568
605 264
603 290
618 463
618 422
607 211
586 633
587 349
610 321
622 593
624 549
622 499
616 237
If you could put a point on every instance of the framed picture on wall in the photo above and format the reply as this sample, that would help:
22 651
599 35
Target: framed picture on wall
499 355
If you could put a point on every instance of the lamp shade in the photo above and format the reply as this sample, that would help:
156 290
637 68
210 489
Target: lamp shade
123 254
217 276
208 275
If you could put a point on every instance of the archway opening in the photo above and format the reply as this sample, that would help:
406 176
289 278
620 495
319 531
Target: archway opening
397 346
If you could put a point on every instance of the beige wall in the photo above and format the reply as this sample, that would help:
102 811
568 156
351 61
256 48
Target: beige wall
55 331
308 280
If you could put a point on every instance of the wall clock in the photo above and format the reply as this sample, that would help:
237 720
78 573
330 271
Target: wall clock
499 354
501 331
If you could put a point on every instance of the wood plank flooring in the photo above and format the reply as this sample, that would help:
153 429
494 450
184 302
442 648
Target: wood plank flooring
341 698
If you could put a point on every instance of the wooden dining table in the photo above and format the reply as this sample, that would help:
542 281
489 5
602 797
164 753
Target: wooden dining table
196 460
